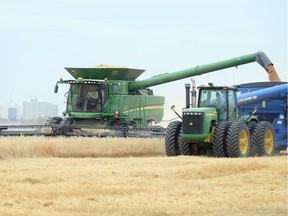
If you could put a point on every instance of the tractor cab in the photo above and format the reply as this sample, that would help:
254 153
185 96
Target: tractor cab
215 104
221 98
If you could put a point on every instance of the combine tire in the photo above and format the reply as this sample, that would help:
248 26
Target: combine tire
219 139
253 142
238 143
172 138
66 121
265 139
53 121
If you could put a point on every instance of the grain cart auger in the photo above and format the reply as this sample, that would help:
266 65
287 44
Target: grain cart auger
108 97
214 128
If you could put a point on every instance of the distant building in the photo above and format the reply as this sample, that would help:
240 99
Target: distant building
10 111
35 109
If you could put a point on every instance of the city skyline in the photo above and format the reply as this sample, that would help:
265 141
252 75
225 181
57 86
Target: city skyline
30 110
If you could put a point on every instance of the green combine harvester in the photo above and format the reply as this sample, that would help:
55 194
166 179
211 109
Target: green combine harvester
102 96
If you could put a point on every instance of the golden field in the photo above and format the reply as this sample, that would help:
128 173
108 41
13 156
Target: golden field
89 176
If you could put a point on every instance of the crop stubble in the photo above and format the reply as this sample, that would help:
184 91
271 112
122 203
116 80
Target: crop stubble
84 176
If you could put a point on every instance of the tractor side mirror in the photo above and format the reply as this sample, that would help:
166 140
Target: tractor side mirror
56 89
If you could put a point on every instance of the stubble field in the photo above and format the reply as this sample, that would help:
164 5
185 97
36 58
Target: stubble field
87 176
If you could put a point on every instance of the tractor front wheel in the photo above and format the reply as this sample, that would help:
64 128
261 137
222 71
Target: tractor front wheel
172 136
219 139
187 148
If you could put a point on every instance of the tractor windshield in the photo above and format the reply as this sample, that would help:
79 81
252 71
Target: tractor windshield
223 100
87 97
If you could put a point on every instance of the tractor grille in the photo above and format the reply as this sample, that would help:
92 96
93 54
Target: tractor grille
193 123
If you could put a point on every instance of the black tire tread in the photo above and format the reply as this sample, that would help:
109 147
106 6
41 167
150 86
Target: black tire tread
219 139
253 142
233 149
185 147
259 138
172 138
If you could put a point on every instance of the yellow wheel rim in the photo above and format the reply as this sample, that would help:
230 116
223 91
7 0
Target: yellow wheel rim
269 141
243 142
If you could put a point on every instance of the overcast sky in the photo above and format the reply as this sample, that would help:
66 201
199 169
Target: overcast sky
41 37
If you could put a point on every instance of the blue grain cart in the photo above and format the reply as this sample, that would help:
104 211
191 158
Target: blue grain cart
270 100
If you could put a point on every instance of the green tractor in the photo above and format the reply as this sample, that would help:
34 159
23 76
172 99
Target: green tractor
214 128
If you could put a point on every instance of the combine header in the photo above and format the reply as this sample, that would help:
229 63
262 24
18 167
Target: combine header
111 98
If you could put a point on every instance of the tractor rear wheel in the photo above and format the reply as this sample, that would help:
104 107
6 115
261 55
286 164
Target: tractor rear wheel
219 139
172 135
265 138
238 142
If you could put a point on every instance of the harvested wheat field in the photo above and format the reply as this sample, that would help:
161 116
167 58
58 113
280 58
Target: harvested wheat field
87 176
